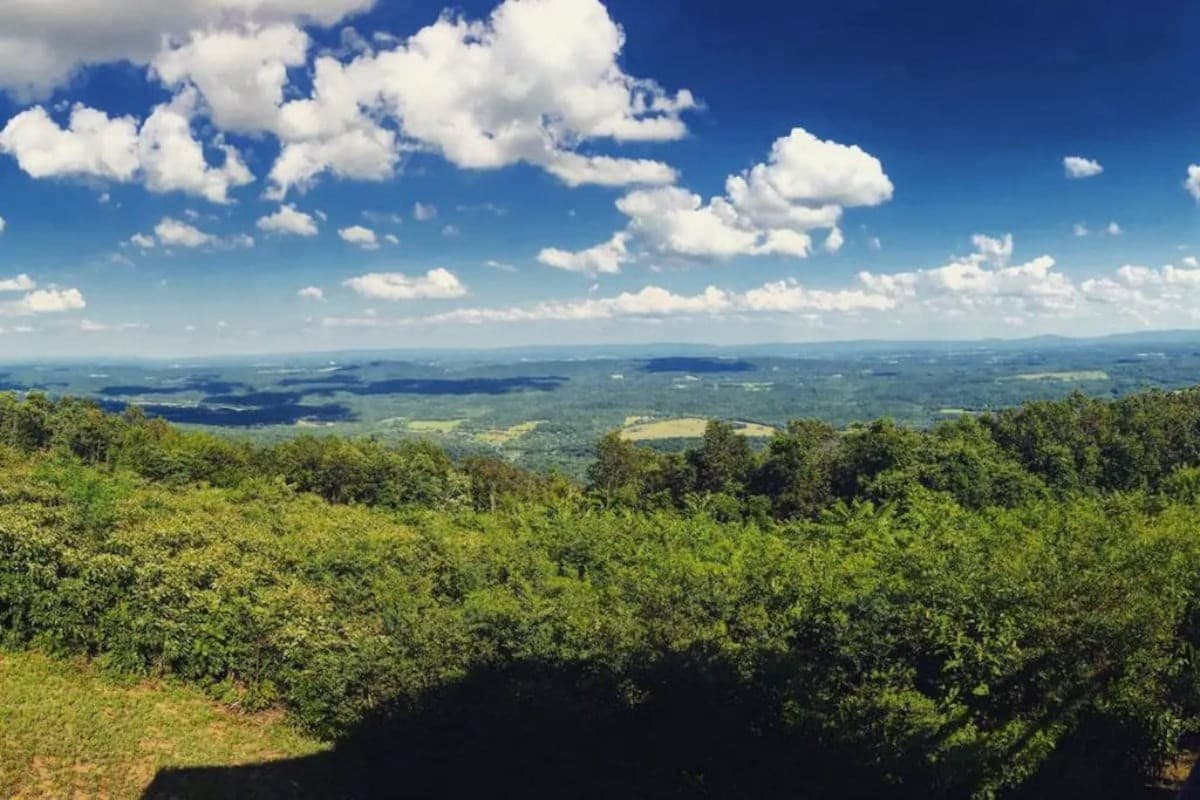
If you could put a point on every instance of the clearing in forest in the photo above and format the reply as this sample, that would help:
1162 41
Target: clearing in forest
686 428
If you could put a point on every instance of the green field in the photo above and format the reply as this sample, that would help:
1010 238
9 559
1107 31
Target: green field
684 428
1081 375
66 731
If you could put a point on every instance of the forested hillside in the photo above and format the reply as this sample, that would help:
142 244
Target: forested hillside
972 611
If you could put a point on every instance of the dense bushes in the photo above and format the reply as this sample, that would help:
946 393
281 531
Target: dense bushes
865 613
932 649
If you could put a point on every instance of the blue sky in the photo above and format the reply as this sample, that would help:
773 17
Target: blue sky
227 176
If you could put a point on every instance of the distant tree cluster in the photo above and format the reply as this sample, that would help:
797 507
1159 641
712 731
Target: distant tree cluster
1057 447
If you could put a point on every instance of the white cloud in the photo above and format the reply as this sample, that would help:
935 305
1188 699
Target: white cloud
1150 296
834 241
574 169
44 42
173 160
391 239
360 236
1079 167
1113 229
1079 229
768 209
532 83
1192 184
529 84
990 250
3 224
88 326
652 302
358 150
143 241
450 231
44 301
172 232
312 293
163 153
288 220
92 144
241 74
981 282
21 283
606 257
437 283
424 212
982 287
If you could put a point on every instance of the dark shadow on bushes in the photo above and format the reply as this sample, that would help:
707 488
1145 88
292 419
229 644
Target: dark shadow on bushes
689 728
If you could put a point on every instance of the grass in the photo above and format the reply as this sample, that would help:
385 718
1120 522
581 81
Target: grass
67 731
434 425
1082 375
505 435
685 428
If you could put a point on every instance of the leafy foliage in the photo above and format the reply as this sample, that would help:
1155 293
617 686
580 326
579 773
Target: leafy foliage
871 612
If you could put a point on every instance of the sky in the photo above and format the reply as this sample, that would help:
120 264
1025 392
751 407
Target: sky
198 177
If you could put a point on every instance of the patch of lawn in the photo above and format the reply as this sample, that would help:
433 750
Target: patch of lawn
68 731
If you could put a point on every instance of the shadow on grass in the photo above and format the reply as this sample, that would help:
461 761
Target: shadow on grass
691 728
532 730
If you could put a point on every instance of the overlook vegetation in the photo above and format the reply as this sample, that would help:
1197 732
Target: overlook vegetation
972 611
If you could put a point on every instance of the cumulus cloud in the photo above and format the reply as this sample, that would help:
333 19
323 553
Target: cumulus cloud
171 232
360 236
288 221
769 209
424 212
1192 184
606 257
1113 229
1079 167
1148 295
3 224
21 283
143 241
437 283
44 42
241 74
981 282
312 293
532 83
91 145
51 300
173 160
983 286
529 84
162 153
